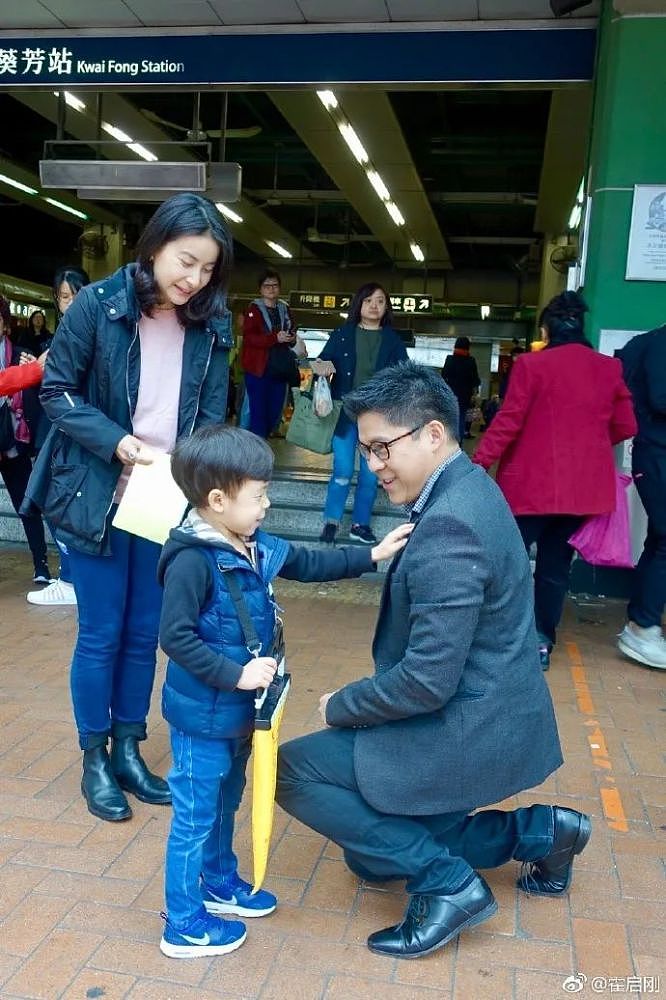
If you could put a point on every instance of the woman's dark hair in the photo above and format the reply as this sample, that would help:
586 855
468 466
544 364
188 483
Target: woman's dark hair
75 277
462 344
184 214
563 318
218 457
31 332
363 293
5 315
406 395
269 273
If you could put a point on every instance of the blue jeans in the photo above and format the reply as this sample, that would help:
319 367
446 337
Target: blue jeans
345 441
266 403
65 568
206 779
435 854
113 667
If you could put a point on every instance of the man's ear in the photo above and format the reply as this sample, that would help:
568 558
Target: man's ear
217 500
436 434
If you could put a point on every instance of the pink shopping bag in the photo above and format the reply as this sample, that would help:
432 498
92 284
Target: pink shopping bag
605 539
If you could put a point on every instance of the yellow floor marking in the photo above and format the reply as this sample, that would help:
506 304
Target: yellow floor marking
610 797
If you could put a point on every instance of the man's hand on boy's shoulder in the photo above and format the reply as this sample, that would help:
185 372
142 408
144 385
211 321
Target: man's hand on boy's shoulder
391 543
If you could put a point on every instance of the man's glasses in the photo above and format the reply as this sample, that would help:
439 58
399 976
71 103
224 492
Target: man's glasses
381 449
270 284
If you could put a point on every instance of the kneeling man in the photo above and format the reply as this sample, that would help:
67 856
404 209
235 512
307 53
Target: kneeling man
457 715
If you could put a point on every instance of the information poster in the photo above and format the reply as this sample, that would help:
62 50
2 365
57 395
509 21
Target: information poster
646 253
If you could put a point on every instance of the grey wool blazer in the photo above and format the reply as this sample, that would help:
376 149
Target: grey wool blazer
458 714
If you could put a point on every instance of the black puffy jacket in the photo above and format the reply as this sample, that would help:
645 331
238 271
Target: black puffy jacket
89 392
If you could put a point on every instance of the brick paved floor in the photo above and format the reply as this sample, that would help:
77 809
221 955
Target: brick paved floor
79 898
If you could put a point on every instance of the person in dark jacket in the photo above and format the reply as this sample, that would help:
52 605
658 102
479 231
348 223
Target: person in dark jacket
366 344
213 670
16 435
457 714
140 360
267 356
644 364
462 377
36 337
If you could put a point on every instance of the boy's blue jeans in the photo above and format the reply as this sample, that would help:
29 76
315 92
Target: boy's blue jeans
345 441
113 667
206 779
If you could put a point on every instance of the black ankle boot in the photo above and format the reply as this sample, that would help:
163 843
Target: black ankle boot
132 774
100 788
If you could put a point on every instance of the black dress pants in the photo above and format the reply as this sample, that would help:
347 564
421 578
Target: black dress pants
16 473
553 562
649 590
435 854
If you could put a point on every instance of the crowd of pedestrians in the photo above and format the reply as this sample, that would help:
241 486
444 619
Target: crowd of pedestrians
457 714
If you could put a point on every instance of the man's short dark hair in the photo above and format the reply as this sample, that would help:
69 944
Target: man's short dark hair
405 395
269 274
218 457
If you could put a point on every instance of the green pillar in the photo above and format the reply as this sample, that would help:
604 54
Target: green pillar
628 147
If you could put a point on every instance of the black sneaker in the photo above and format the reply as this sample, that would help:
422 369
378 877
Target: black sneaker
42 574
328 534
362 533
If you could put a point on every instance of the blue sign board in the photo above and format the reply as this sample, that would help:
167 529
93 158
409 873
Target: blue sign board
492 55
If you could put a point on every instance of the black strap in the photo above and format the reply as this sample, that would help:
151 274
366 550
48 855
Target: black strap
250 636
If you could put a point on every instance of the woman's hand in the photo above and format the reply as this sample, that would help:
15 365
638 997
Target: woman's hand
258 673
27 358
392 543
285 337
131 451
42 359
324 368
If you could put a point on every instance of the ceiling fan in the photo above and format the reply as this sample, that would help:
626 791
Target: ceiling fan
199 134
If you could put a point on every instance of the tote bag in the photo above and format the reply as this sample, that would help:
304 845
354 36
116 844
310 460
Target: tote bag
309 431
605 539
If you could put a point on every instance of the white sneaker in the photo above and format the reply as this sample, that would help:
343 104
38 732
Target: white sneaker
647 646
56 594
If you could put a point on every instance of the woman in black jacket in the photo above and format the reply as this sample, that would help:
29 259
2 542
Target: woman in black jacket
462 377
353 353
140 359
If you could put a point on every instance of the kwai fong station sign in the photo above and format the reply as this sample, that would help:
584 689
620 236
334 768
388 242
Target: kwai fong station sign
36 61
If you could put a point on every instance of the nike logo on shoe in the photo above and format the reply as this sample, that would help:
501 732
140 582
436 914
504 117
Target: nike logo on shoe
193 940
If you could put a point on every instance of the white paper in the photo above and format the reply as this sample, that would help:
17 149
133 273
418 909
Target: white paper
152 503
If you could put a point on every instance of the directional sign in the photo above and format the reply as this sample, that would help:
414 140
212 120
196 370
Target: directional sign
340 302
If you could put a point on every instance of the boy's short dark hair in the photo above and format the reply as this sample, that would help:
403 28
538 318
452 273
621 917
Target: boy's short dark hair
218 457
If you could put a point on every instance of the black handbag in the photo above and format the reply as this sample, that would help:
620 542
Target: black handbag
282 365
7 439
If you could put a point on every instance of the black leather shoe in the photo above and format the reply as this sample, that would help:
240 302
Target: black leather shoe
431 921
132 774
551 876
100 788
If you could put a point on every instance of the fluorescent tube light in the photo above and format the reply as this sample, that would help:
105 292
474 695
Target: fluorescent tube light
16 184
575 217
485 312
395 213
328 99
353 141
141 151
66 208
417 251
278 249
378 185
228 212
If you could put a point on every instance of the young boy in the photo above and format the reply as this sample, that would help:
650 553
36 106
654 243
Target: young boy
211 679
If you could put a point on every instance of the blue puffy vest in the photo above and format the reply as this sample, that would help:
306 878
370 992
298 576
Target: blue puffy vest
196 708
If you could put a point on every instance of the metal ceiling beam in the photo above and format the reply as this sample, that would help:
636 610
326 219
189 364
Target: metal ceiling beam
564 157
257 226
373 118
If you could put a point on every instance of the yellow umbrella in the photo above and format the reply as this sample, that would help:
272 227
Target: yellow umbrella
268 716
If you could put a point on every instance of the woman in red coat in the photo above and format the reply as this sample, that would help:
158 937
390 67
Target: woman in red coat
565 408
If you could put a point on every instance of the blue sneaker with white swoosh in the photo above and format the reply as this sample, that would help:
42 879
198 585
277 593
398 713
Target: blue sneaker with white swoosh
234 895
204 936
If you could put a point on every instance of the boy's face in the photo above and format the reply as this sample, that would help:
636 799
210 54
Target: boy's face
241 514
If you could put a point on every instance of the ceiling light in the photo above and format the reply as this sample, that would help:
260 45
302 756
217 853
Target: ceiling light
141 151
395 213
485 312
575 217
328 99
228 212
117 133
353 141
66 208
136 147
378 185
71 100
17 184
278 249
417 251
